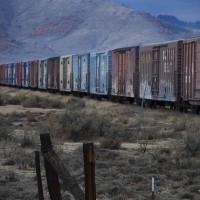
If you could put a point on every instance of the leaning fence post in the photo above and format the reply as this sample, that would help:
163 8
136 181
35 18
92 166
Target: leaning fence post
89 167
38 172
51 174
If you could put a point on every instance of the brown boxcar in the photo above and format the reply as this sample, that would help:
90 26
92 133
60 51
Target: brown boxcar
191 73
160 73
125 65
18 74
2 74
53 73
33 74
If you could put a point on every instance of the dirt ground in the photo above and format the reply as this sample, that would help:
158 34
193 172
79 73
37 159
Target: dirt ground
160 143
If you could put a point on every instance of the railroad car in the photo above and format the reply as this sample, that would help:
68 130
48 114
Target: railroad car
125 67
33 74
191 75
6 67
66 78
160 73
11 74
2 74
155 74
18 74
53 73
42 74
81 67
25 74
100 74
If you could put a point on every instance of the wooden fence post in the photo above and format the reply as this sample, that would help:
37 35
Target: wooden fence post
56 165
51 174
89 167
38 172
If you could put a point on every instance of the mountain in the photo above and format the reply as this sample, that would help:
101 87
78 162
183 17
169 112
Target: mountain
173 20
38 29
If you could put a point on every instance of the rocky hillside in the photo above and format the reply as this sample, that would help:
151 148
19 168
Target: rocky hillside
35 29
173 20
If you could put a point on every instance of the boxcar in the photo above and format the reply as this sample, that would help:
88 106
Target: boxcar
18 74
81 66
42 74
66 78
33 74
25 74
6 74
53 73
160 73
2 74
10 74
125 66
191 74
100 73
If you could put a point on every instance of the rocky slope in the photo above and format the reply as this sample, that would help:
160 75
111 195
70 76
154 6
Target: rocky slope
35 29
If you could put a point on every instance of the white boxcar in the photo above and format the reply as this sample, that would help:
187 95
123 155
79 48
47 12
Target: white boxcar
42 74
66 78
100 72
81 66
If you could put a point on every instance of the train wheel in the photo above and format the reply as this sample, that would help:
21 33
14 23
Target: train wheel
197 110
181 109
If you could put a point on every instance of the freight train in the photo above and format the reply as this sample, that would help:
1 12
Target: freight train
152 75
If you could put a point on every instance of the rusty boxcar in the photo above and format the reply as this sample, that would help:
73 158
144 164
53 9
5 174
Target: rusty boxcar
33 74
125 66
160 73
81 66
66 78
18 74
42 74
25 74
191 74
2 74
53 73
100 73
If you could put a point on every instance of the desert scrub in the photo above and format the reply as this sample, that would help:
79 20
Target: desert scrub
192 142
41 102
79 125
11 176
111 140
26 141
32 101
75 104
5 128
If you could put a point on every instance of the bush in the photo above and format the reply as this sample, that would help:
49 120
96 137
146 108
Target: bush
79 125
4 129
26 142
9 162
11 176
75 104
112 140
41 102
31 101
192 142
1 101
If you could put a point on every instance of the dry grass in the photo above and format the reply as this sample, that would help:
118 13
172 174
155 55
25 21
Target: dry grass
30 101
159 143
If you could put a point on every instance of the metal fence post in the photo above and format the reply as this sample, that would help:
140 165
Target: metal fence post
38 173
89 167
51 174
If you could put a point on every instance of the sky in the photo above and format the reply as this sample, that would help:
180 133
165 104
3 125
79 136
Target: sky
186 10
